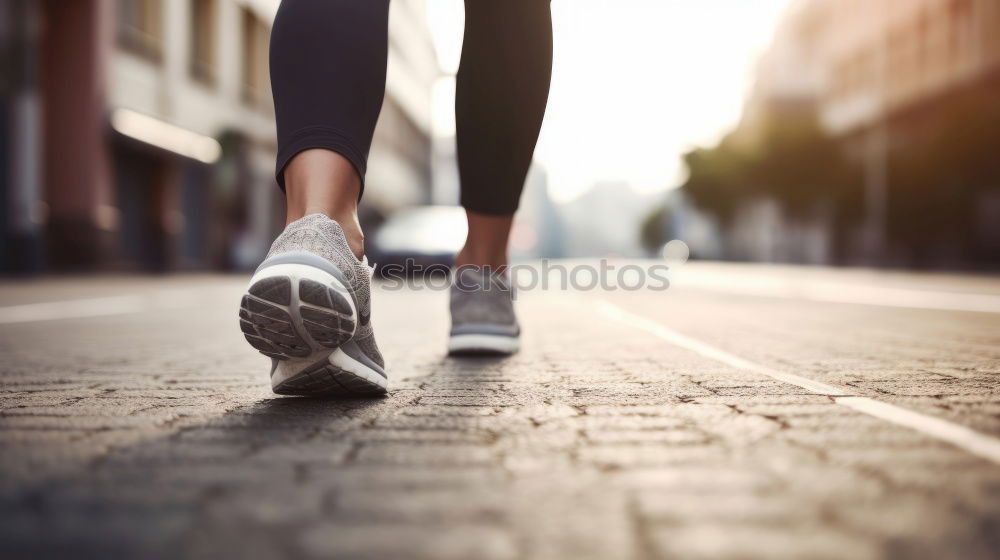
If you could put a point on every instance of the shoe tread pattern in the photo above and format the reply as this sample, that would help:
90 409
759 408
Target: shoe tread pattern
266 325
326 319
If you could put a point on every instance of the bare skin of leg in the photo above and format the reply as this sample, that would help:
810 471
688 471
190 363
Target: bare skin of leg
324 182
486 244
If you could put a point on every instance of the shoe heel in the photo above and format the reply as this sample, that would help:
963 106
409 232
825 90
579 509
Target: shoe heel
295 311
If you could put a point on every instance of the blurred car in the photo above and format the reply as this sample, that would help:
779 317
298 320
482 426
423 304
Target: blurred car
418 240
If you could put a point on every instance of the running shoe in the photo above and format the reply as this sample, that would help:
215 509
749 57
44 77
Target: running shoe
308 308
482 314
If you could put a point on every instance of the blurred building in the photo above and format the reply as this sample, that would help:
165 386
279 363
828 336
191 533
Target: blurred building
899 75
538 230
399 166
594 220
140 133
897 85
789 76
882 58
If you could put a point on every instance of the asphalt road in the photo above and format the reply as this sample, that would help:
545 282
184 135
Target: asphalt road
746 412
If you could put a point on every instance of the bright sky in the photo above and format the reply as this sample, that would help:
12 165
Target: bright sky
635 83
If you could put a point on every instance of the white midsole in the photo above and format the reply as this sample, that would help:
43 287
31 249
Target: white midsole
287 369
487 342
342 360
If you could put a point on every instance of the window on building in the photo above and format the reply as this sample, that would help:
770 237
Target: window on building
900 58
203 38
140 27
922 45
959 19
256 82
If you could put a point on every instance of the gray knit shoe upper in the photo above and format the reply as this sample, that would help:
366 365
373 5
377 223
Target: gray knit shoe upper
482 304
318 234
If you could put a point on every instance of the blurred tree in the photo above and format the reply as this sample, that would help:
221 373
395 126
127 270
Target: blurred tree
943 167
798 164
655 229
717 178
792 161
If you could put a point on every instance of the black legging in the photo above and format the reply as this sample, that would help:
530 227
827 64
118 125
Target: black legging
328 63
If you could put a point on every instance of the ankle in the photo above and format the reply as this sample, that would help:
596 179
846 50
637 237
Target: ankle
324 182
355 237
488 258
486 244
348 222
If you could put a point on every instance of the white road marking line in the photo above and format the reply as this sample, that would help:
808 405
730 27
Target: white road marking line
71 309
102 306
843 292
617 313
974 442
900 297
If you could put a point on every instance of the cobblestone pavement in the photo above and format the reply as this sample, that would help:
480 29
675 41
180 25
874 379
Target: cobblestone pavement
151 432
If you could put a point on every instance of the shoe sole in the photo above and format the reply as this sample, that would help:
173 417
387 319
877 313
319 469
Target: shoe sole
483 345
300 316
